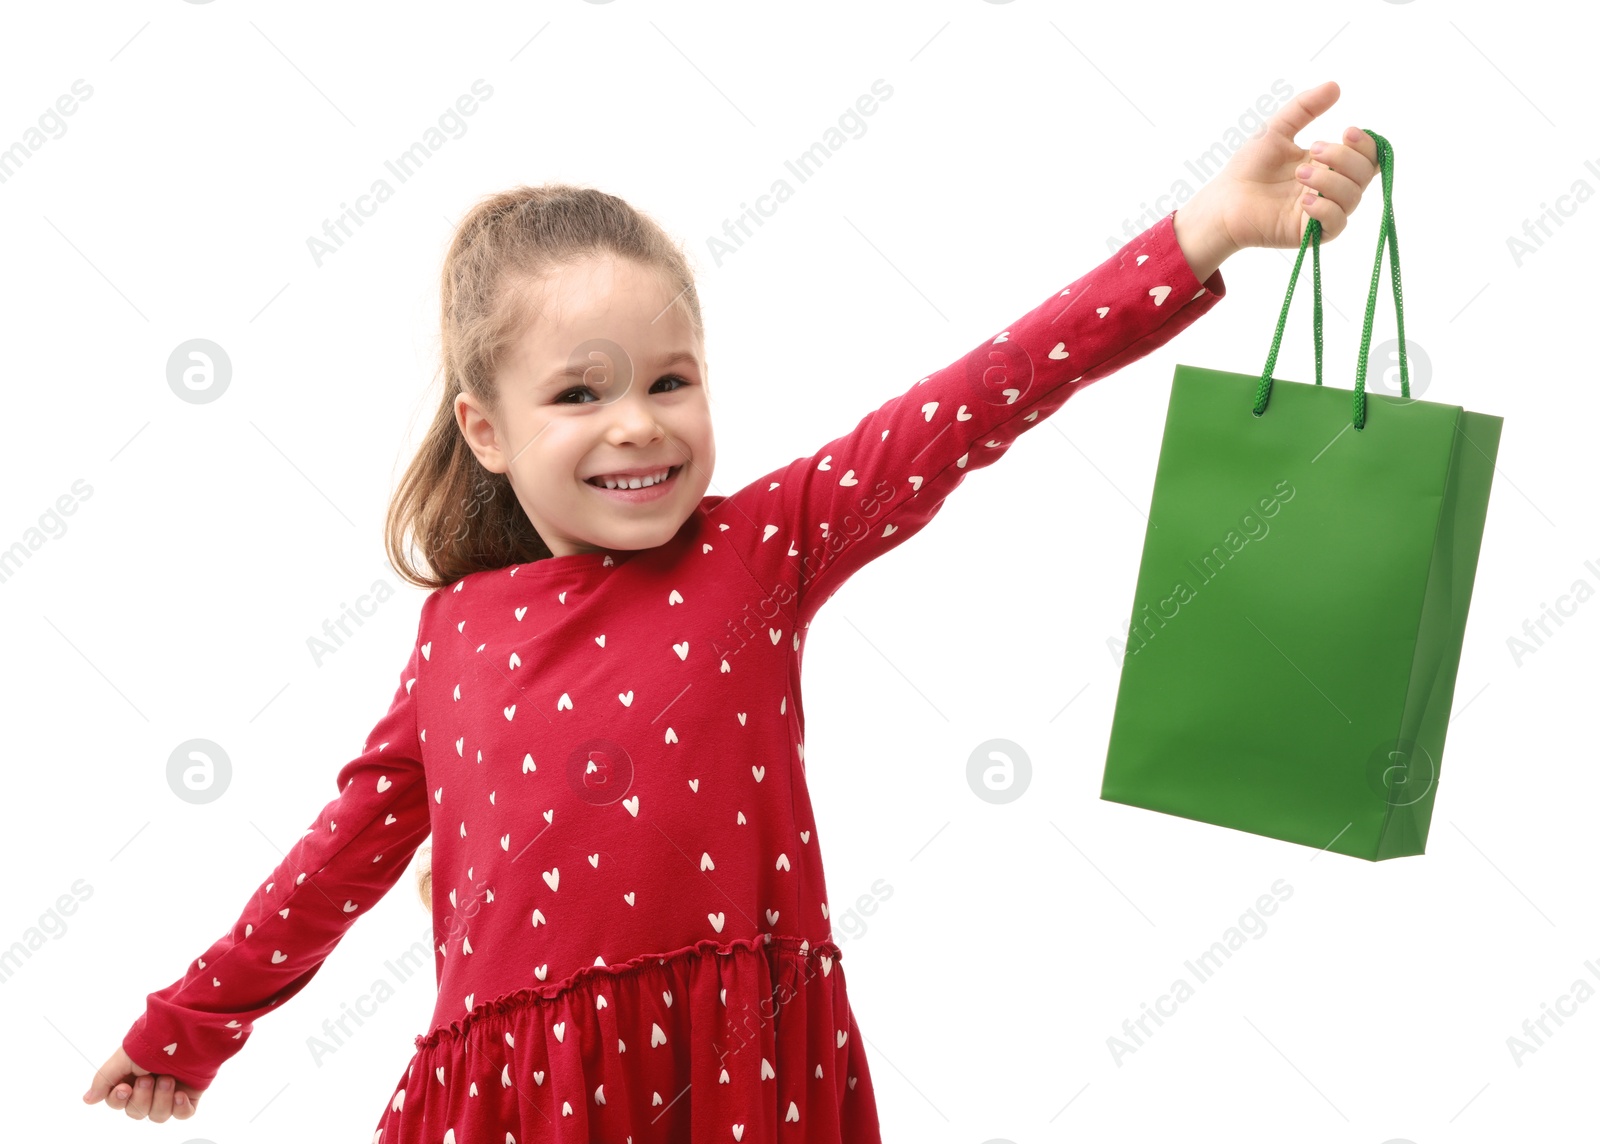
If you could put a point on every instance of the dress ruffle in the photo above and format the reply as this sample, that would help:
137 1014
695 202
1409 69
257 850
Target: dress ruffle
750 1041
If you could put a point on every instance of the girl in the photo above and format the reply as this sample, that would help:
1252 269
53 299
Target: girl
600 722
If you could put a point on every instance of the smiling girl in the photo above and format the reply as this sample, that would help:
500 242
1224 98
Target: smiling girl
600 722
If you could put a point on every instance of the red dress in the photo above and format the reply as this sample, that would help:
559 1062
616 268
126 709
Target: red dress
631 933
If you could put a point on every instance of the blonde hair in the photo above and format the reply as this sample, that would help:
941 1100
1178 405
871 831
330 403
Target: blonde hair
425 874
461 517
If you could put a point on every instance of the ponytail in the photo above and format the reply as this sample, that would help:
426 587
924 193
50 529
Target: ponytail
425 874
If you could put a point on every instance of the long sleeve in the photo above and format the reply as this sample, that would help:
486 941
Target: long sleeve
355 850
806 527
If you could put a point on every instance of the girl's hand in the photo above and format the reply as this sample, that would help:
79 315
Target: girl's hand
1258 198
126 1087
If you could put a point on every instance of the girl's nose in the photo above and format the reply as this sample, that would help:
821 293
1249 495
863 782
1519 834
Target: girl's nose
632 420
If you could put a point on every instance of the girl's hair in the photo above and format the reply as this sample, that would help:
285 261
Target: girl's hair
425 874
462 517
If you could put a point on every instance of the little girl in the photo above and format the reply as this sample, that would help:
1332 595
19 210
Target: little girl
600 722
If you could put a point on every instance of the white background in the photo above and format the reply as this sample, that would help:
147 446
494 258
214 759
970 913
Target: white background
1019 137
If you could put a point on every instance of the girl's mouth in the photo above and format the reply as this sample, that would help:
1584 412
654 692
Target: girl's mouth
643 494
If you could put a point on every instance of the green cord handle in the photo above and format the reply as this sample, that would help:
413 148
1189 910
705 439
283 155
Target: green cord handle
1313 237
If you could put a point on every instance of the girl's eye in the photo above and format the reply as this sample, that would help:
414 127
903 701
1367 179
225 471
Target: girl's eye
562 400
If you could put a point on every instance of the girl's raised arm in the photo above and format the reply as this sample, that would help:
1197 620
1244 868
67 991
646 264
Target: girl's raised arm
805 528
354 851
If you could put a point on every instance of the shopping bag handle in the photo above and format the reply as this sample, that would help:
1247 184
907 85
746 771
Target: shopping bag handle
1313 236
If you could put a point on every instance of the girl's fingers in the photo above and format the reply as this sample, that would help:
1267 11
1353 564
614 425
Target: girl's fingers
1351 161
143 1092
161 1106
1329 213
1332 185
1363 143
106 1078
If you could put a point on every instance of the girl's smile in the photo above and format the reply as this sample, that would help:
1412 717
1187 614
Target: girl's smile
636 487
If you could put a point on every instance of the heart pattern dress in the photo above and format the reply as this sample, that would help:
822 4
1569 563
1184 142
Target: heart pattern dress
631 924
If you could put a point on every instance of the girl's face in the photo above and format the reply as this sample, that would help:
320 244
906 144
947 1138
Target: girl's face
610 378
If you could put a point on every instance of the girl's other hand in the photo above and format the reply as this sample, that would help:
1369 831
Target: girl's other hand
125 1087
1260 196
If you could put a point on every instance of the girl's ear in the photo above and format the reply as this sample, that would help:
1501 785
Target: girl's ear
479 433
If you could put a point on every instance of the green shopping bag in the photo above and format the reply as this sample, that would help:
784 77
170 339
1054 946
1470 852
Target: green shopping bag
1302 597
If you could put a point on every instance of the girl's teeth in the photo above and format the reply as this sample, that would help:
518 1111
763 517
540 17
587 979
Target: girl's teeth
635 482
